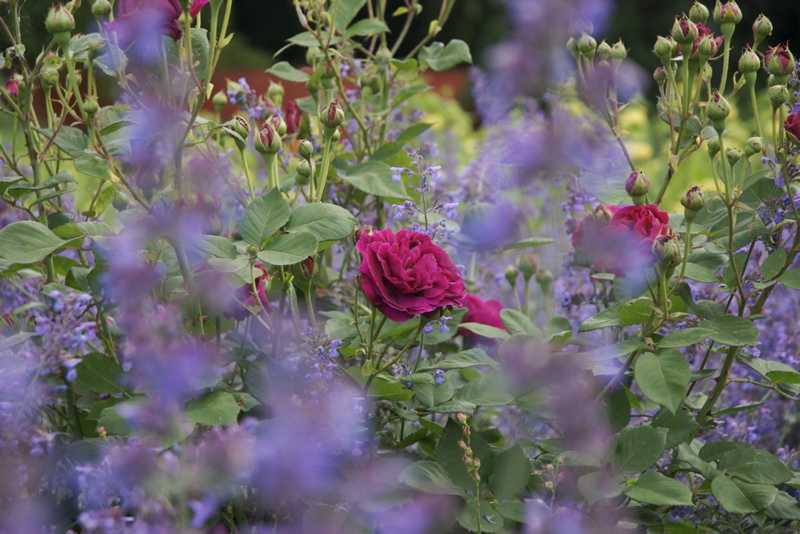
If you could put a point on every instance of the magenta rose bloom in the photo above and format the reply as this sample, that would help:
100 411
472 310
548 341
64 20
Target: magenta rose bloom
245 299
624 243
481 311
405 274
135 15
792 125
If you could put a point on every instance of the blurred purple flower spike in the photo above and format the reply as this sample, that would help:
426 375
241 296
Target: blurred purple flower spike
133 16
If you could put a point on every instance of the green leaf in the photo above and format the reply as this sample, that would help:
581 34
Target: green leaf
325 221
754 465
112 420
200 48
99 373
454 406
486 390
366 27
214 409
638 448
449 454
784 377
382 388
412 132
81 229
429 477
289 249
680 425
482 517
492 332
700 273
773 264
529 242
791 278
636 311
27 242
518 323
375 178
655 488
263 217
684 338
512 470
285 71
16 339
346 11
215 245
732 330
607 317
60 178
714 450
663 378
783 507
740 497
462 360
440 57
71 140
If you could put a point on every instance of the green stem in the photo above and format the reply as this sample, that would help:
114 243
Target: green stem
722 381
322 178
247 175
686 250
754 103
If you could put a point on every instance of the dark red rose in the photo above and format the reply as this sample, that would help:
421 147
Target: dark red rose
481 311
792 125
12 86
292 115
591 224
642 222
624 244
133 16
405 274
245 298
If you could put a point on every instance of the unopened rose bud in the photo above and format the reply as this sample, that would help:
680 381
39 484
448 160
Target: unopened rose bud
749 63
101 9
528 265
665 49
90 106
660 75
778 95
308 268
754 145
684 31
278 124
304 169
572 46
60 23
733 155
305 149
706 48
762 28
545 279
59 20
693 201
362 231
275 93
717 110
477 463
618 52
780 63
667 250
603 51
241 127
511 274
50 78
268 141
587 45
332 115
713 146
698 13
637 185
727 13
219 100
120 201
